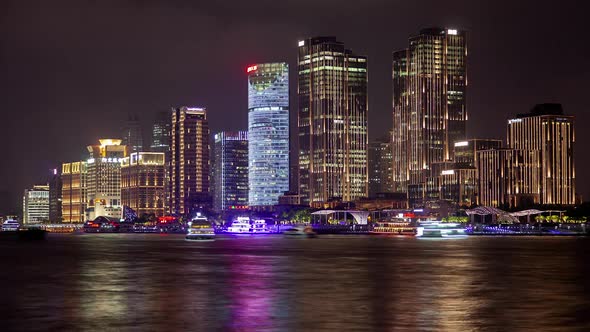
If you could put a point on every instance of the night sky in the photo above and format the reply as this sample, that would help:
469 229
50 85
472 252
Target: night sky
72 71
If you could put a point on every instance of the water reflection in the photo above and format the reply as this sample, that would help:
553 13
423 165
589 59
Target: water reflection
122 282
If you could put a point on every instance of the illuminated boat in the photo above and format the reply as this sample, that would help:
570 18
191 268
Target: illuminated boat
200 229
395 227
437 229
10 225
240 226
260 227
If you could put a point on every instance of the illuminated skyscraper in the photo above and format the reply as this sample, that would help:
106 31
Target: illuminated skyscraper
142 182
73 191
133 135
268 133
332 121
189 175
36 204
547 130
230 170
103 179
429 103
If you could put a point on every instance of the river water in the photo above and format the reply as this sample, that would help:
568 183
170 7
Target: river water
147 282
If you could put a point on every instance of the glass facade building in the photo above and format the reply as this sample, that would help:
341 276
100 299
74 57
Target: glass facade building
230 170
268 133
332 121
429 104
133 135
380 162
36 204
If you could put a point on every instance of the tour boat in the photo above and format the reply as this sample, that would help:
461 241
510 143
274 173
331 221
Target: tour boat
10 225
200 229
395 227
240 226
437 229
259 227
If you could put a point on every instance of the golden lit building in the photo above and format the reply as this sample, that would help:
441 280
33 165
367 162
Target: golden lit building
143 175
429 105
189 168
508 177
104 179
73 191
332 121
547 130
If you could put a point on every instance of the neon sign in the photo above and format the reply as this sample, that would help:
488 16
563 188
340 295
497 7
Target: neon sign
252 68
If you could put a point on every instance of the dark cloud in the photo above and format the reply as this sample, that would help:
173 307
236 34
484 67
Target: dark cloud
70 71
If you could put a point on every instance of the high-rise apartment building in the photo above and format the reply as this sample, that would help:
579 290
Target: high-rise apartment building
380 167
143 175
547 130
73 191
36 204
103 179
189 167
268 133
133 135
332 121
55 187
429 103
230 170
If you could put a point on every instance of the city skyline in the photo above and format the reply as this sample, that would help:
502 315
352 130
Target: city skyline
489 106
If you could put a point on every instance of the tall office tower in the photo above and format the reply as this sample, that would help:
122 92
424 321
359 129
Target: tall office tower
103 178
133 135
380 163
429 103
189 168
547 130
268 133
73 191
161 133
36 204
332 121
231 170
55 187
142 182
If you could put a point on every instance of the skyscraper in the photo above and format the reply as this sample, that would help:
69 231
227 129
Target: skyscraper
547 130
429 103
380 163
103 178
73 191
133 135
161 133
36 204
55 186
142 182
189 168
268 133
332 121
231 170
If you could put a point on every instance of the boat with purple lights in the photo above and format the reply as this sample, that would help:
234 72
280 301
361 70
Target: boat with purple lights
243 225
